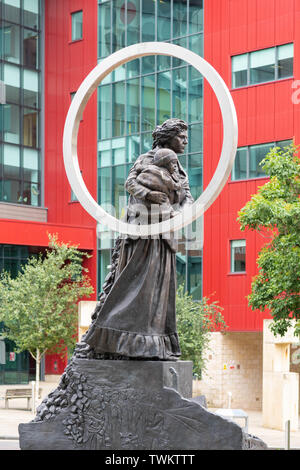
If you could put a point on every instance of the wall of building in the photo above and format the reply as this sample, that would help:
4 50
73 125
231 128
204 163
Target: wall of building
234 364
265 114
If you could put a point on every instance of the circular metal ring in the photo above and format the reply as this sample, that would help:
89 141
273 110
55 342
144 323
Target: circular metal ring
86 89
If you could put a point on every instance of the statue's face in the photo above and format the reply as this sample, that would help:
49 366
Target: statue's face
172 167
178 142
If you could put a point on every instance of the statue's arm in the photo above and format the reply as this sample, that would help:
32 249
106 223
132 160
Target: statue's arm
133 187
138 190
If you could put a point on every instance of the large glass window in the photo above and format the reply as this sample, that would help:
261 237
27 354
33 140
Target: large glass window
136 97
20 114
265 65
248 159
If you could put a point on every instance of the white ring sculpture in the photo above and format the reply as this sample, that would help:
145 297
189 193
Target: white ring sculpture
89 85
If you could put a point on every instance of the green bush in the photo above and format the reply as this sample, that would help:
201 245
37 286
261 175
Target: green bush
195 320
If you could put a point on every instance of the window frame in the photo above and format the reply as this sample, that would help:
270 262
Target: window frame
248 70
231 257
248 149
72 14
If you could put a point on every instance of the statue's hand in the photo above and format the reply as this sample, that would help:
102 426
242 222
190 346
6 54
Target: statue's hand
157 197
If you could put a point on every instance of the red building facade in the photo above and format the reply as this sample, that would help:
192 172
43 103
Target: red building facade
265 113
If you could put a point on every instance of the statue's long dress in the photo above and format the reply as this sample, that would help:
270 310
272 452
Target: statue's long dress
138 316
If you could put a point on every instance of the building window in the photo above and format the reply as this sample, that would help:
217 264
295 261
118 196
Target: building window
247 160
76 20
20 156
144 92
238 256
262 66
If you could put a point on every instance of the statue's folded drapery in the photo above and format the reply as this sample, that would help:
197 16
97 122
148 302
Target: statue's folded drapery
138 316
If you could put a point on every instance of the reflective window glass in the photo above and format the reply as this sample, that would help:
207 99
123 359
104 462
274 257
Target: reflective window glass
118 25
262 65
195 16
31 13
248 159
195 138
10 42
239 70
133 147
104 185
163 20
163 96
285 60
163 62
12 10
181 269
133 106
239 171
133 68
10 123
30 130
178 62
11 161
118 108
119 197
146 142
12 76
132 17
104 266
31 177
104 47
195 174
195 99
104 112
148 64
77 24
104 155
194 273
148 21
148 103
196 43
30 43
257 154
179 77
179 18
118 151
238 256
31 87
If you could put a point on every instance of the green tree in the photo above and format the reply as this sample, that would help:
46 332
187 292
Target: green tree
195 320
275 210
39 306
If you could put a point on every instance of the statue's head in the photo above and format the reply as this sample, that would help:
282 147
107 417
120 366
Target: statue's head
171 134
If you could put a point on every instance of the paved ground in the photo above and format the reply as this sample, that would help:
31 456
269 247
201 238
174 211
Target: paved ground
18 413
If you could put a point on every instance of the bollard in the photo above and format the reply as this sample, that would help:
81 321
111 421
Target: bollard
287 435
33 396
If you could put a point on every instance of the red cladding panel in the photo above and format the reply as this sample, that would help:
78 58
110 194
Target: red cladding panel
265 114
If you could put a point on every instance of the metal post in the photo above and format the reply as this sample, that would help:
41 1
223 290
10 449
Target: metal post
287 436
33 396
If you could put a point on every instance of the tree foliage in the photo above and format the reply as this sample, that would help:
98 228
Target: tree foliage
38 307
195 320
275 209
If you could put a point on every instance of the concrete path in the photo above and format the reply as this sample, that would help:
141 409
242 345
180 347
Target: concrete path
18 413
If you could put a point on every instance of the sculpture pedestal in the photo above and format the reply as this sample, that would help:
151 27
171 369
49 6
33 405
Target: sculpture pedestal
116 405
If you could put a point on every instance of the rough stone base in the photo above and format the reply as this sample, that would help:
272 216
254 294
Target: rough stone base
116 405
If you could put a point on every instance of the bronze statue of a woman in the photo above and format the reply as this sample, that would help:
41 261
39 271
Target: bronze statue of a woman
136 314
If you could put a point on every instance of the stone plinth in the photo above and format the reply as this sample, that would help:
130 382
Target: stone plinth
115 405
